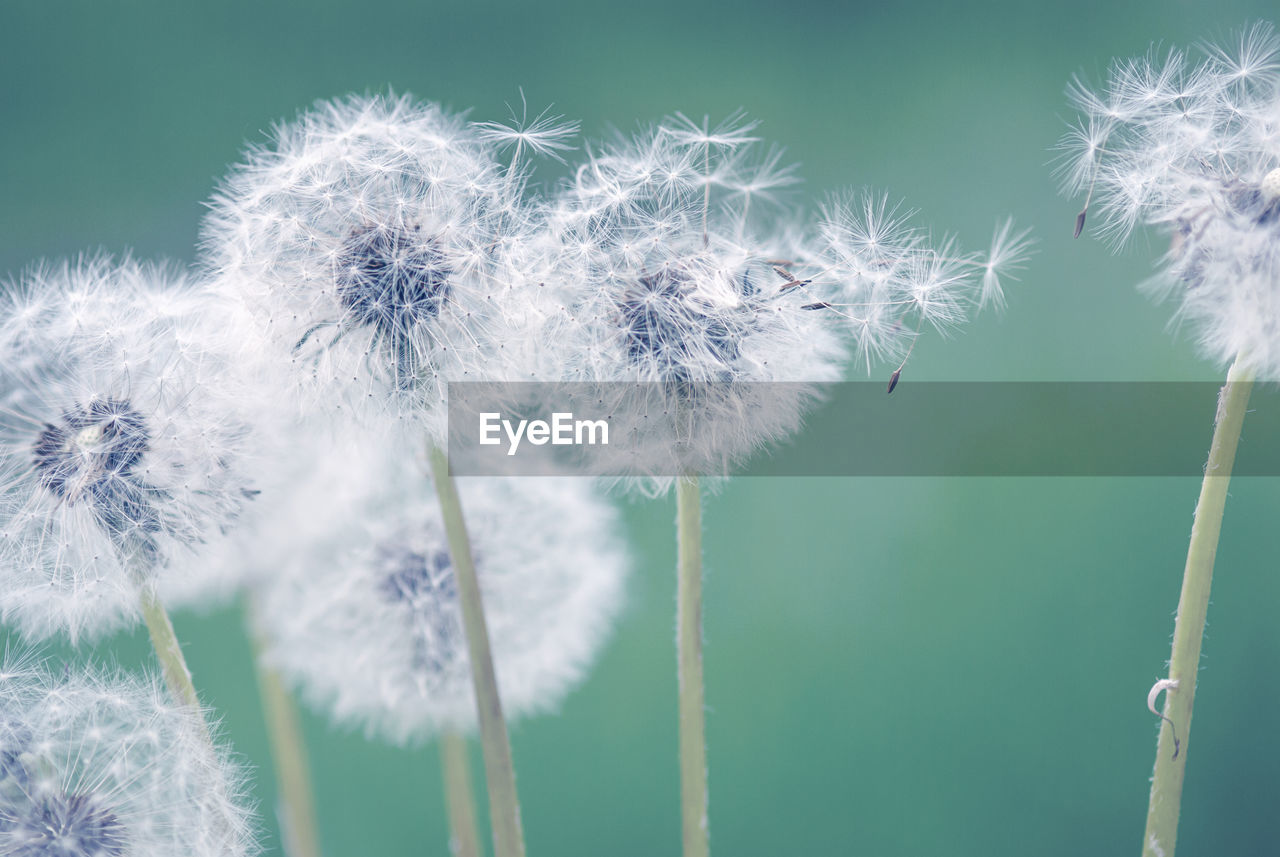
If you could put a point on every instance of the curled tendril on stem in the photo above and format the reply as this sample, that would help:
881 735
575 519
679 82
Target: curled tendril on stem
1163 685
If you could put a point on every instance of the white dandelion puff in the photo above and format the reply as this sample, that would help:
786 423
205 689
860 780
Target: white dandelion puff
99 764
377 242
125 442
364 614
669 274
664 280
1189 146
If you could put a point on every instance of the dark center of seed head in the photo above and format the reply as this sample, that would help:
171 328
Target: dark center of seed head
91 455
664 322
426 585
92 450
62 825
392 280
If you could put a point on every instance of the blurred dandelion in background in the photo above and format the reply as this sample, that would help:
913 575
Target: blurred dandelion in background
362 613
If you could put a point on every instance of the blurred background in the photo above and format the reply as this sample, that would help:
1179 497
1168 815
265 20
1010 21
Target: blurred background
894 666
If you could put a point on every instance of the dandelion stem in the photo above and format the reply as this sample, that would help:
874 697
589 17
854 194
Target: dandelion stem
693 743
1193 604
464 841
500 774
168 651
297 810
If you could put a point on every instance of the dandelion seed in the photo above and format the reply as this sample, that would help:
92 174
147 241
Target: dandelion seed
544 135
887 278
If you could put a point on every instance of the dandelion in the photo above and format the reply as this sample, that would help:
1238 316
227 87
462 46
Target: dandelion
1191 148
124 443
664 281
367 617
678 269
363 610
383 249
99 764
376 241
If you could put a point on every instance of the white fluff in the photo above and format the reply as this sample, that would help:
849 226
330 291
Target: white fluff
100 764
125 442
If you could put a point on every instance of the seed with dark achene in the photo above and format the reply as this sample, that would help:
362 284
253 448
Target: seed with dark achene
60 825
392 280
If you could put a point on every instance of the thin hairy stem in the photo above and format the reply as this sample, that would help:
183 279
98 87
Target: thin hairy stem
173 666
693 741
500 773
297 809
1188 629
464 840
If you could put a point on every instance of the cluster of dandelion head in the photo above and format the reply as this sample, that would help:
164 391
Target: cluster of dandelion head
100 764
669 302
1187 144
362 610
679 268
124 441
382 248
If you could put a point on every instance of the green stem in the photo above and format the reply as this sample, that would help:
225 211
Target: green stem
297 809
464 840
1188 629
168 651
500 773
693 741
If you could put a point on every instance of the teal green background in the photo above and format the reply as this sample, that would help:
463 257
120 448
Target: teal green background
894 666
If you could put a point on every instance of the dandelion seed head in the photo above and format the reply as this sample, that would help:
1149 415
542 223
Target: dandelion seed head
1190 151
127 441
363 612
378 247
656 257
673 268
97 764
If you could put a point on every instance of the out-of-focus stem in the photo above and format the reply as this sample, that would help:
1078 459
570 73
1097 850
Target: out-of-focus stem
297 810
500 773
693 747
464 840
